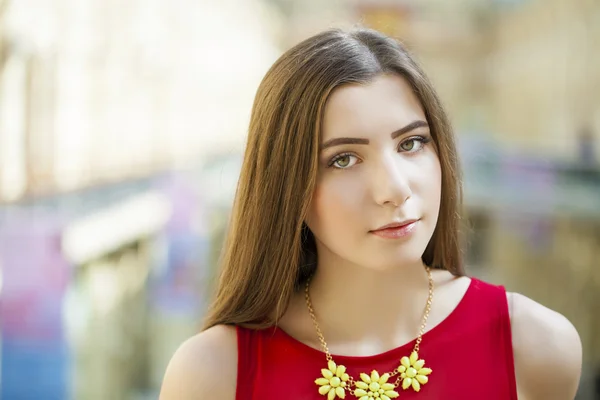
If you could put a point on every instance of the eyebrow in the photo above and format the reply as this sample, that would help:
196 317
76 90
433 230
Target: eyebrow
347 140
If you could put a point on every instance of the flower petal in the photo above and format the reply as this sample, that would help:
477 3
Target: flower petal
345 377
405 362
392 394
401 369
340 371
332 366
374 376
425 371
331 394
419 364
422 379
322 381
362 385
406 383
341 393
384 378
327 373
415 385
360 392
414 357
365 377
388 386
384 397
324 389
364 398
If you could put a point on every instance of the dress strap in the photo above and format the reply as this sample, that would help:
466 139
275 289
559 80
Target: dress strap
507 346
247 340
492 301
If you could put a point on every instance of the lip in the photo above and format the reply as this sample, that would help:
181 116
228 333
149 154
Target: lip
396 230
396 224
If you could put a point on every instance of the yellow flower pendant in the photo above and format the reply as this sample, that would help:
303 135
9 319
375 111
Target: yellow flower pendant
335 381
375 387
412 372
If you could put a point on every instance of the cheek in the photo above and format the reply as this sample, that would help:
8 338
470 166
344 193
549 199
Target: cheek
333 204
426 186
432 186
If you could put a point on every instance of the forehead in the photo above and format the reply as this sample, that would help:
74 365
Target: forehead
382 105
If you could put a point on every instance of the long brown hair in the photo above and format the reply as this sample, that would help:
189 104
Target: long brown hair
269 250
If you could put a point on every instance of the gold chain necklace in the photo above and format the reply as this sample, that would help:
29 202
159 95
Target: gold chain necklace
410 373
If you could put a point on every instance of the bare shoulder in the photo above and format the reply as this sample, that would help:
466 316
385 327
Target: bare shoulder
205 363
547 351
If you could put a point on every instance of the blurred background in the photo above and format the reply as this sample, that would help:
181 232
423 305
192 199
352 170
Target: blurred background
122 127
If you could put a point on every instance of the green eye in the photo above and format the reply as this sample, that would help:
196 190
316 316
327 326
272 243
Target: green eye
343 161
413 144
408 145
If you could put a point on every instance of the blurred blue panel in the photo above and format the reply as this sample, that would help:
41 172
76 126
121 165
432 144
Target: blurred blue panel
34 371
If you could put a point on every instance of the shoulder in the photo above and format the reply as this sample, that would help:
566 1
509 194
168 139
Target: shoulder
547 351
204 364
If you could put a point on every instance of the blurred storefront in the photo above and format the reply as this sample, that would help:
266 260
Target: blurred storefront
535 227
542 74
107 113
99 287
94 92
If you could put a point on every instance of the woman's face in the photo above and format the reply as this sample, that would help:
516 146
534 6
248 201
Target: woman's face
377 166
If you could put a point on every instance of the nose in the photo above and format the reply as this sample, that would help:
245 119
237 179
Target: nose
390 182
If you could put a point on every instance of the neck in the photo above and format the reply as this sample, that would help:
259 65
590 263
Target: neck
371 311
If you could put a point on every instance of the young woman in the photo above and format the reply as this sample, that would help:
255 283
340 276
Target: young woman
342 274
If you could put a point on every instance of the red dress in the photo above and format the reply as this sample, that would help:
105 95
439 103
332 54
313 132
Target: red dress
470 353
